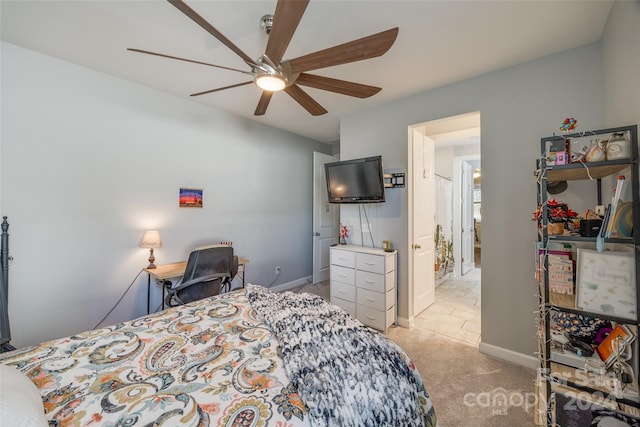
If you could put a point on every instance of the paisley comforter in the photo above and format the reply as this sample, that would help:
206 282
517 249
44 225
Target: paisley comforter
211 362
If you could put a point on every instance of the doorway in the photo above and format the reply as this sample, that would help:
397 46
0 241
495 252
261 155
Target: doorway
325 219
456 309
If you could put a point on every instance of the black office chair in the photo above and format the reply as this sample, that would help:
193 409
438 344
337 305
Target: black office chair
209 271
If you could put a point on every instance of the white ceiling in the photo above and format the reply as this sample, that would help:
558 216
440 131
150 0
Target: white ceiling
439 42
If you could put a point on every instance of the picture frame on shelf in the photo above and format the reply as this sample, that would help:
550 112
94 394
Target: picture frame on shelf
606 283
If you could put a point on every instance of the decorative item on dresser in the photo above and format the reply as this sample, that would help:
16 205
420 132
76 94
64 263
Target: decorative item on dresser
363 283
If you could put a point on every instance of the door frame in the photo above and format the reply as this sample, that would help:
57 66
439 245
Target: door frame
430 128
457 211
429 282
409 183
317 274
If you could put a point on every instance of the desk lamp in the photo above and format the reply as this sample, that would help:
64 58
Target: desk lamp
151 239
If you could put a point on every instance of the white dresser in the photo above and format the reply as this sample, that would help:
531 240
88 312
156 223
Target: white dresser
363 283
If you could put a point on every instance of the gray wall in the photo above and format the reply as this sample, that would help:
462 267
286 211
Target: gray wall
518 106
621 59
89 161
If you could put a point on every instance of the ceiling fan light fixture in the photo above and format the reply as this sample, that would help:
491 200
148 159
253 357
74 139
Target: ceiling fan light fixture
270 83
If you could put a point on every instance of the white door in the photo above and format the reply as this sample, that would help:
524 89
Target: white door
423 201
467 218
325 219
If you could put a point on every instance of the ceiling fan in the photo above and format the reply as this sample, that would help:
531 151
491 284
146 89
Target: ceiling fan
271 73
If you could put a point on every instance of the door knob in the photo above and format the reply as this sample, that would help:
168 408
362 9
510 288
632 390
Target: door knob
416 246
316 234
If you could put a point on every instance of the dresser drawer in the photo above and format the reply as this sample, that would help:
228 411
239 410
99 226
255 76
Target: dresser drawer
343 291
376 300
376 282
375 318
372 263
343 258
343 275
348 306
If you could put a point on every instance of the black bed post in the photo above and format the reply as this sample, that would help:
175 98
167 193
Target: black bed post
5 331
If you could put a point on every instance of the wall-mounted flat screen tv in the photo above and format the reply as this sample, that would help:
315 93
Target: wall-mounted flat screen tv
355 181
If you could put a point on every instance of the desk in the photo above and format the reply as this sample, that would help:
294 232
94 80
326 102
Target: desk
176 269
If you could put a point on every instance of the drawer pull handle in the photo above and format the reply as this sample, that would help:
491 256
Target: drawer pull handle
370 318
370 263
370 300
342 275
370 281
342 291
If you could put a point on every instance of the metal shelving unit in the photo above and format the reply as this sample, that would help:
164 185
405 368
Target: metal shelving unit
553 375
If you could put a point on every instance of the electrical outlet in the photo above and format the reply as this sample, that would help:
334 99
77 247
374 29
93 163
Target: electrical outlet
277 269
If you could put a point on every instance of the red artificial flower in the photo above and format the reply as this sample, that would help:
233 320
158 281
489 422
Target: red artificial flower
556 212
344 232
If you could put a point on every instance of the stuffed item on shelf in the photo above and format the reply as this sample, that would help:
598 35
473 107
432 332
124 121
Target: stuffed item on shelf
596 151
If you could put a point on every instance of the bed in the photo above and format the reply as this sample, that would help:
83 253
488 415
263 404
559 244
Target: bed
246 358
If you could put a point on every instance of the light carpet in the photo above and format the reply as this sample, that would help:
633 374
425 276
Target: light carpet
468 388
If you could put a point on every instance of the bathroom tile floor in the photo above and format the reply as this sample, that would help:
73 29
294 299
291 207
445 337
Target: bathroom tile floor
456 310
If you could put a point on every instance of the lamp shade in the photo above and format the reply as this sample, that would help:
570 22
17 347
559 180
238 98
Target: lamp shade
151 239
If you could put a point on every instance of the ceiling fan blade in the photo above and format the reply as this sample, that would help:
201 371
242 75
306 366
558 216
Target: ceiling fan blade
220 88
285 21
356 50
263 103
184 8
343 87
307 102
187 60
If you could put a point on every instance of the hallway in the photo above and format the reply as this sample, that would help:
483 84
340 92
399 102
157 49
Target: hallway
456 311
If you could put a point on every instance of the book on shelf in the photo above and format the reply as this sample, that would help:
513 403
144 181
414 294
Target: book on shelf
553 248
560 273
605 222
621 223
616 206
603 229
612 214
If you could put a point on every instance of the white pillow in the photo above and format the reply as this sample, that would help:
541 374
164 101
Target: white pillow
20 401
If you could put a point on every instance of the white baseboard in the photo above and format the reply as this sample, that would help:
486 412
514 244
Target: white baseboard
290 285
509 355
406 323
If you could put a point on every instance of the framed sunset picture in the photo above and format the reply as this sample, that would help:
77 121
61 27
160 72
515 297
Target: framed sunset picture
190 197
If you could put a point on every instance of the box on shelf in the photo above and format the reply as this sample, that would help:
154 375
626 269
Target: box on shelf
571 359
562 300
590 227
557 153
